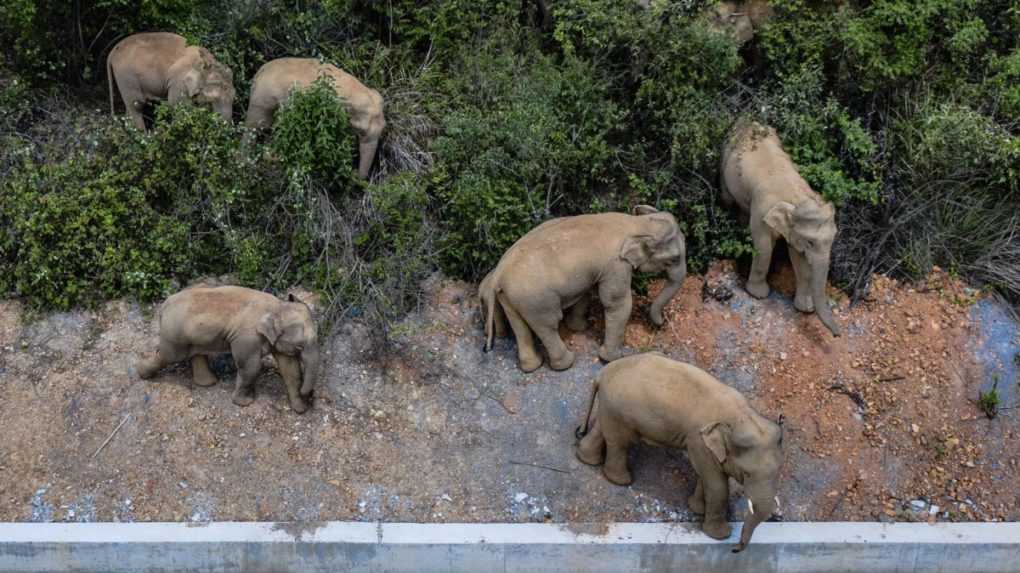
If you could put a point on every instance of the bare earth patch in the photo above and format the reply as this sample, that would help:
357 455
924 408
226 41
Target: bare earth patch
880 424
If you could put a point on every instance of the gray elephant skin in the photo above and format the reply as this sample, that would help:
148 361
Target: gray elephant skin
275 81
201 321
551 270
761 179
156 66
666 403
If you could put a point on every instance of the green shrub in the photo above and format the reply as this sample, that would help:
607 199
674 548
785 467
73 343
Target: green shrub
312 135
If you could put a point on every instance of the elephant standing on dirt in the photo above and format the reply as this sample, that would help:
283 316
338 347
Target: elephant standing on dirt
275 80
199 321
760 178
156 66
555 265
666 403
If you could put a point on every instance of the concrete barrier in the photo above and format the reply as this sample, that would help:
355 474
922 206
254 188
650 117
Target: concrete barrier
619 547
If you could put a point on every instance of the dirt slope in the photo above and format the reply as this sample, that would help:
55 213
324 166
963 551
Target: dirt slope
880 423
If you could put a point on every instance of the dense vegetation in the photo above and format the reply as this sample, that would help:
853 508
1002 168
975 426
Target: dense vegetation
906 113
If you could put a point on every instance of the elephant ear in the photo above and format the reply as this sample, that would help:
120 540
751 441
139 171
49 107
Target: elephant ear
780 218
269 327
716 437
645 210
634 249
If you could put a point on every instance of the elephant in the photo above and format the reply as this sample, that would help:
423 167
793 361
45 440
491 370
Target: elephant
739 19
668 403
272 86
761 179
156 66
554 266
201 320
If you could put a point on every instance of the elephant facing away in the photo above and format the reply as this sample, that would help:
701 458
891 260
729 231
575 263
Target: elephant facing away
156 66
199 321
666 403
761 179
553 267
275 80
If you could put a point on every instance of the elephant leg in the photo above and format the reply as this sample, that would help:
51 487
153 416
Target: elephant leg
527 357
499 321
248 358
616 299
757 285
802 301
618 439
258 117
166 353
577 315
545 321
592 449
200 371
717 495
696 502
290 371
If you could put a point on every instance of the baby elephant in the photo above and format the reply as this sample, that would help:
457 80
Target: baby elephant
553 268
200 321
672 404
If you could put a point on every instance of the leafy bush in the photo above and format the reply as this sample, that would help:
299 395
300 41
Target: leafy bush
312 135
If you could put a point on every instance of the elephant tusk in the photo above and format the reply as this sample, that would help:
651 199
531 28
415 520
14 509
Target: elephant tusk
777 503
750 505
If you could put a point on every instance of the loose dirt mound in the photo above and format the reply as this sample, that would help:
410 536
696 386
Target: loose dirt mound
880 423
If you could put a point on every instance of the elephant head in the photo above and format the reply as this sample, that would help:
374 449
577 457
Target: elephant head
751 452
732 19
657 247
200 78
290 330
810 228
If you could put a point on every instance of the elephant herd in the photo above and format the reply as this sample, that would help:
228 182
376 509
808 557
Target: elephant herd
545 278
156 66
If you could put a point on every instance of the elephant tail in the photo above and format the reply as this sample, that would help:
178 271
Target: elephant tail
487 294
109 82
582 430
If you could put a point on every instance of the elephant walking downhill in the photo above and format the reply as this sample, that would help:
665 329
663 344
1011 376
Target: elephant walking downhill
156 66
666 403
275 80
200 321
552 269
761 179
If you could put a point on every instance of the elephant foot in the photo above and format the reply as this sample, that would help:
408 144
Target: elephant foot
300 406
590 456
245 398
656 317
307 394
562 362
529 363
608 355
696 504
804 303
757 289
619 477
205 380
146 368
717 528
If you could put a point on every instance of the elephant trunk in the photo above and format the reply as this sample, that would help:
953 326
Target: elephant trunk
225 110
676 276
366 150
761 510
819 276
309 368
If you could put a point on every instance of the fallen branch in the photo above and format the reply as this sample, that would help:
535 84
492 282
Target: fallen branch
114 433
892 378
852 394
539 466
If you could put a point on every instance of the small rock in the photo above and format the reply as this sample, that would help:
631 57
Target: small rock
520 497
918 505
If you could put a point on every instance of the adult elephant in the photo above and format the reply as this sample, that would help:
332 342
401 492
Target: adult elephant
275 80
555 265
760 178
155 66
663 402
741 20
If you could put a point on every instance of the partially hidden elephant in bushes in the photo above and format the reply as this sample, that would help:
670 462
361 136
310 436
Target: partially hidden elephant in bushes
552 269
275 80
200 320
672 404
155 66
742 20
761 179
